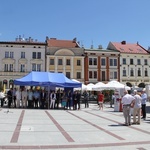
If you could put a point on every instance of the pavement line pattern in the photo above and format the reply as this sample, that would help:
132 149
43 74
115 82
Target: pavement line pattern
73 145
147 132
98 127
16 133
64 133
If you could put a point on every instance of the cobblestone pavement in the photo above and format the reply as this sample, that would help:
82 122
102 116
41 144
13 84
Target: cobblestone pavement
85 129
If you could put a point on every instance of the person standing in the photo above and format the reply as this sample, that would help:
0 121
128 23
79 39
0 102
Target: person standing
144 100
30 99
14 97
2 97
137 108
78 99
24 98
18 97
127 101
75 100
53 98
9 95
86 98
100 100
42 99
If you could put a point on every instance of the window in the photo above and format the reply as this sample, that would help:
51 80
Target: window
93 74
68 62
113 62
22 68
78 75
138 62
92 61
38 67
11 54
78 62
131 61
60 62
146 72
139 72
145 62
8 67
103 62
124 61
33 67
68 75
6 54
34 55
95 61
131 72
124 73
22 54
113 75
103 76
90 74
51 61
39 55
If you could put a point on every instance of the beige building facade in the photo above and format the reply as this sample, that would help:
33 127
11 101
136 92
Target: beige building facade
65 56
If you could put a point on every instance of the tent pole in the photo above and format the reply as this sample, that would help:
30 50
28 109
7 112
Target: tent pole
48 96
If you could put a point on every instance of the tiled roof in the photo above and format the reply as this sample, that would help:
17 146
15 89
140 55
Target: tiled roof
53 42
124 47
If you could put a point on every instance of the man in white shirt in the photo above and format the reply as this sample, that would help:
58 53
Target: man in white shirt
127 101
137 108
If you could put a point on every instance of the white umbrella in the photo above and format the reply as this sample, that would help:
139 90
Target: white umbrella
98 86
89 86
115 85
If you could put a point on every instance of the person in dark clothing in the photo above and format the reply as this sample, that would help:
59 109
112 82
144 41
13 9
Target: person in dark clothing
69 99
9 96
75 100
78 99
42 99
86 99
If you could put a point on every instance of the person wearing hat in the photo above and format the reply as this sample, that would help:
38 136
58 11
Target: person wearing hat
127 101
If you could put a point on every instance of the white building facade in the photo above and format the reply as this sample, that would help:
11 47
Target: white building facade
18 58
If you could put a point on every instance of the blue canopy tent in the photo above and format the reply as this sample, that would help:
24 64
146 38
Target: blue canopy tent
46 79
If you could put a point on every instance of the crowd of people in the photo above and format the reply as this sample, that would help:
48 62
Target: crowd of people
35 98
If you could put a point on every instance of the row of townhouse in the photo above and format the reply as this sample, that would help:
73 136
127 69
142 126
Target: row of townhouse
124 62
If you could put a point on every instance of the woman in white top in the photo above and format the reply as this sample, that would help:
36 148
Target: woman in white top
18 97
52 98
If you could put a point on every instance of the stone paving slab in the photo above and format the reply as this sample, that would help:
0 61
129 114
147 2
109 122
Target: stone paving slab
86 129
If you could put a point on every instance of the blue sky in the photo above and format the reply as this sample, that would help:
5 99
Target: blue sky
94 22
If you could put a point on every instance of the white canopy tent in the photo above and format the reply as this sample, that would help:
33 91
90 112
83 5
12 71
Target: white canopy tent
89 86
98 86
84 87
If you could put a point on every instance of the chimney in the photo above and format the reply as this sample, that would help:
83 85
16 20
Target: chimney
74 40
123 42
100 47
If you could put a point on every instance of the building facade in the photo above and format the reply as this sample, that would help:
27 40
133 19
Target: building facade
134 64
101 65
65 56
20 57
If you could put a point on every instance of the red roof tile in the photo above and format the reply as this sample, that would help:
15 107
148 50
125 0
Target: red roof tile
53 42
124 47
